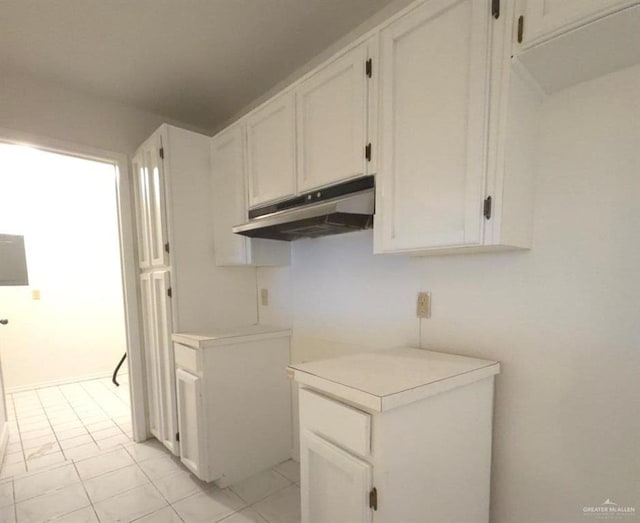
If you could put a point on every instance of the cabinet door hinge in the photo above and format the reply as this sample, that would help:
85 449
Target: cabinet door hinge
367 151
177 436
487 208
161 152
169 292
495 8
166 247
368 68
373 498
520 28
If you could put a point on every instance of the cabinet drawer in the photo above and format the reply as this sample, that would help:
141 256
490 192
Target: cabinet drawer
346 426
187 358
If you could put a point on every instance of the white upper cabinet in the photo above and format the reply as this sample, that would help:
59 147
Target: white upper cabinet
331 110
229 206
434 94
229 197
271 151
539 20
151 205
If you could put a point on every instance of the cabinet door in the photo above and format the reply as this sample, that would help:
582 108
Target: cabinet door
150 356
157 226
331 112
165 361
434 93
334 484
228 196
191 422
271 151
547 18
141 192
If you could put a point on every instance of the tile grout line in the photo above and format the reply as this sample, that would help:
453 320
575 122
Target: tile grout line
46 414
85 491
15 503
79 418
15 414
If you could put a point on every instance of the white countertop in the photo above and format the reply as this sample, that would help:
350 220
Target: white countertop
229 336
387 379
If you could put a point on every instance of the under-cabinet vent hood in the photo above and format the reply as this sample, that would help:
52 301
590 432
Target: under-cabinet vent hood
340 208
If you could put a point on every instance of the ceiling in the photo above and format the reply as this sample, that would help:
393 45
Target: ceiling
194 61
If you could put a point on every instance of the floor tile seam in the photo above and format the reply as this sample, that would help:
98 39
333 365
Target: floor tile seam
86 492
94 400
112 392
54 433
24 457
83 424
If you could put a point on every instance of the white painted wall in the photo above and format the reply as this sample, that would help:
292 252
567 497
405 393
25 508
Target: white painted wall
66 209
562 318
51 110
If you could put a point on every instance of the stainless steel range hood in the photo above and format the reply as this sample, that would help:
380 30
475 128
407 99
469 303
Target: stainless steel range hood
345 207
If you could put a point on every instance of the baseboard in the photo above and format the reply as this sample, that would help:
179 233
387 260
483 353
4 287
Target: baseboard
53 383
4 442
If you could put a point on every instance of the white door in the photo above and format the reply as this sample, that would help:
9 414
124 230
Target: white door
165 360
434 66
331 111
150 355
547 18
141 191
271 151
191 423
154 169
228 196
334 484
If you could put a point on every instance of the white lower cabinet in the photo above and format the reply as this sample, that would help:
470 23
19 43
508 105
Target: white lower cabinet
234 402
337 484
402 435
191 422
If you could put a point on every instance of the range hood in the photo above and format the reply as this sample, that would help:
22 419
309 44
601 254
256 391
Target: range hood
340 208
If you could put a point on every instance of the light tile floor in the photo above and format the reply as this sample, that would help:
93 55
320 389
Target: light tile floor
71 460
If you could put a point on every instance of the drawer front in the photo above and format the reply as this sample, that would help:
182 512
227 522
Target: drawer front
345 425
187 358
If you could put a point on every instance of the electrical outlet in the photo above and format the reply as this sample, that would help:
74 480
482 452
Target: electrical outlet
35 294
264 297
423 305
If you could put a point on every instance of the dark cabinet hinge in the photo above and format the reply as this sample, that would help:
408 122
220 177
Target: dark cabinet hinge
368 67
367 151
177 436
495 8
520 28
373 498
169 292
166 247
487 208
162 152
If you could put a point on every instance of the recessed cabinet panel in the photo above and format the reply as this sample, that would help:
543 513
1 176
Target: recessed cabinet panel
271 151
150 355
141 191
229 197
544 19
191 419
161 313
434 67
335 485
332 121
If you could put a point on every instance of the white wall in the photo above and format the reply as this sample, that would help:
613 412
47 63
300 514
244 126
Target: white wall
52 110
66 209
562 318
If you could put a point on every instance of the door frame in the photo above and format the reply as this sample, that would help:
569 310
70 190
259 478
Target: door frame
128 257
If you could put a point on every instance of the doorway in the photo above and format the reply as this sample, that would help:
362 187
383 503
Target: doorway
68 328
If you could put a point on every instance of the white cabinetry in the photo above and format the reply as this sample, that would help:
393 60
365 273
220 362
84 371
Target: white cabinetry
229 205
234 401
395 436
543 19
271 150
331 109
444 66
180 286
